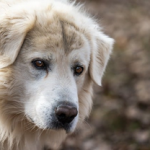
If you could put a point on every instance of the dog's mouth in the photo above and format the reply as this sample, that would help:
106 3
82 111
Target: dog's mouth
58 126
63 117
54 124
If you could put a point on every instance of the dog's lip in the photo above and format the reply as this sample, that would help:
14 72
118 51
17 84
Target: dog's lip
58 126
54 126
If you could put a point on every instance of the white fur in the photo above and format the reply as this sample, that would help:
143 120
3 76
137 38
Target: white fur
62 33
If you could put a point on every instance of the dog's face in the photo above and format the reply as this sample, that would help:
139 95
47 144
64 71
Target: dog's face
52 59
54 63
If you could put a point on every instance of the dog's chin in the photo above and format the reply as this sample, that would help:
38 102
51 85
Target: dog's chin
69 128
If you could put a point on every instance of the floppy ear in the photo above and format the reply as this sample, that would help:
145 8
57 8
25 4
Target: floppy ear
13 29
102 47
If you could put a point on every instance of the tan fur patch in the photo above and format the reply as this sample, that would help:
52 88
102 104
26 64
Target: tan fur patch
56 35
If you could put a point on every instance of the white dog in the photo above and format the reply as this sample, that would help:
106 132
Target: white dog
51 52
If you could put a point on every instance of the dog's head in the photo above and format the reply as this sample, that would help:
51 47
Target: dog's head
55 52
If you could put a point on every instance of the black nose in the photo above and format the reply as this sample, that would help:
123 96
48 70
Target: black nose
65 113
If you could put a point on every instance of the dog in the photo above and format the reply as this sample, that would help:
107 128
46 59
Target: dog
51 53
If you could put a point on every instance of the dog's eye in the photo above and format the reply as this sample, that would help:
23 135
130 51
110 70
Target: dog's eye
39 64
78 70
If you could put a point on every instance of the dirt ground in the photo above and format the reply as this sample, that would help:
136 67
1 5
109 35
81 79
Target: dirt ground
120 119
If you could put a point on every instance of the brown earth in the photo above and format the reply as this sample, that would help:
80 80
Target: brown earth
120 119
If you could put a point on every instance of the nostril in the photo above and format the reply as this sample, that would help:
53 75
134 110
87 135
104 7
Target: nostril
65 114
62 115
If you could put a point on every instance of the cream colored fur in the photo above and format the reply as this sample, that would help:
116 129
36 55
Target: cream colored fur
34 28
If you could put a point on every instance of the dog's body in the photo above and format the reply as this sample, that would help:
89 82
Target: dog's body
50 53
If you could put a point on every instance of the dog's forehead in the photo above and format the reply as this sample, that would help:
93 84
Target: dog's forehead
55 35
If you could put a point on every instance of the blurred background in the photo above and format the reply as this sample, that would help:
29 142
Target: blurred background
120 119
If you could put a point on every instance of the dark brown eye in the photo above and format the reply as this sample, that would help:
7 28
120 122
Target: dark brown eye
39 64
78 70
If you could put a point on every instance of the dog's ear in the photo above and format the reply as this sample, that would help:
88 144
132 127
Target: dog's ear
13 29
102 47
